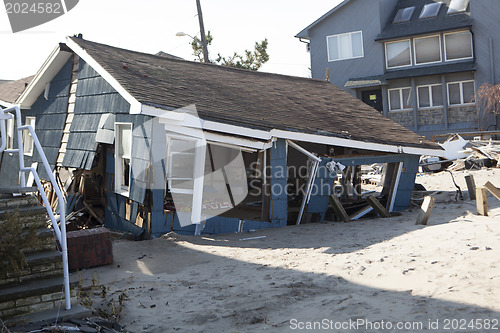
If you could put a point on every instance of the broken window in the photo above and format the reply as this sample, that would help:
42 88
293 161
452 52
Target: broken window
123 149
28 142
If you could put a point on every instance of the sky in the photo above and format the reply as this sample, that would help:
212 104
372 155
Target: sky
151 25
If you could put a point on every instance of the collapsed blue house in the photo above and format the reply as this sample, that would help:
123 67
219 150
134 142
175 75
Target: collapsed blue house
131 135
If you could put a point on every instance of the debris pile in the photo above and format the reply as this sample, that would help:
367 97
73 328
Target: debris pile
461 154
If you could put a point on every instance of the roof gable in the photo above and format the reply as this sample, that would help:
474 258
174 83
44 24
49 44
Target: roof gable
305 32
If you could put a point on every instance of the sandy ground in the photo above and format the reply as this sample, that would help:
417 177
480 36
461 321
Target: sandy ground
364 276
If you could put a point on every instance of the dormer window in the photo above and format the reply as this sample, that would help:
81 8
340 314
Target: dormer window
430 10
403 15
458 6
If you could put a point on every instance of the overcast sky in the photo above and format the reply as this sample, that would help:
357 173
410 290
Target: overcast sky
150 26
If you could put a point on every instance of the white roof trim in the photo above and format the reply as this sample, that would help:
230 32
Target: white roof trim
135 105
45 74
269 135
6 104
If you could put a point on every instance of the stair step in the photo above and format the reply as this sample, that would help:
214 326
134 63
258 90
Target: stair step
29 211
7 191
40 265
47 242
34 289
21 201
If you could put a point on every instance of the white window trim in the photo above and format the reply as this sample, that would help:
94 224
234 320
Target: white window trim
119 187
431 98
415 51
29 146
398 41
461 85
338 45
458 59
10 133
401 101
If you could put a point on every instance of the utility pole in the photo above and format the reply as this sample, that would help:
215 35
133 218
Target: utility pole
202 32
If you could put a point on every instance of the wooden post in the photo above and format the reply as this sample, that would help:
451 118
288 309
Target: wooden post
425 210
494 190
471 186
372 201
338 208
482 201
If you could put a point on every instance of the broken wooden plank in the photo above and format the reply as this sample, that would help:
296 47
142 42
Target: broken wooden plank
493 189
92 212
482 201
471 186
379 208
425 210
338 208
360 213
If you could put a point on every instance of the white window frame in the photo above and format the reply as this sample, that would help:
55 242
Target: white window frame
431 96
398 41
28 143
471 45
461 85
415 51
10 133
338 46
119 187
401 100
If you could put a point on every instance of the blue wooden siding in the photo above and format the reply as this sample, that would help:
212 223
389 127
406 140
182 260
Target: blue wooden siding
323 187
51 117
278 170
94 97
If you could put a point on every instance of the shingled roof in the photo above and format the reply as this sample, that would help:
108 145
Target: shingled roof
416 26
10 90
249 99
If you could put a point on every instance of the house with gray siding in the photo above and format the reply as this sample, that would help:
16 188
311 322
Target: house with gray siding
419 62
113 124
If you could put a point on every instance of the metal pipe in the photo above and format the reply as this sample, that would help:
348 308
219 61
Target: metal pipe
303 151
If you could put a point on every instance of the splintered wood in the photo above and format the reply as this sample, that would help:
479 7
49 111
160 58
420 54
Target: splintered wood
482 201
425 210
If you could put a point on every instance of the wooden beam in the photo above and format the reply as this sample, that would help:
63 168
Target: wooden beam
493 189
425 210
338 208
482 201
378 207
471 186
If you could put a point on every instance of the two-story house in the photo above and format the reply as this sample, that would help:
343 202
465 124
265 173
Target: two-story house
419 62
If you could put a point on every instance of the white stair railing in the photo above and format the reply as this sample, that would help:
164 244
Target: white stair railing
60 232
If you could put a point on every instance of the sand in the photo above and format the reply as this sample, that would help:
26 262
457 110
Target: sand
364 276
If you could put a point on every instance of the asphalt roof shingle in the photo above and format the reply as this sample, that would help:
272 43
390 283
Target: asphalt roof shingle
249 99
10 90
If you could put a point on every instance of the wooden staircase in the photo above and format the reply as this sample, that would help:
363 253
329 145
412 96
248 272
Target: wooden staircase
39 285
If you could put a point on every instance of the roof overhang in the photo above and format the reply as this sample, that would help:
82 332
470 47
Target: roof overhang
45 74
305 32
230 131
